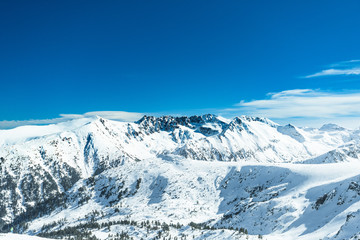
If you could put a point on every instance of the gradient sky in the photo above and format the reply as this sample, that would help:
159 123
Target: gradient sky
177 57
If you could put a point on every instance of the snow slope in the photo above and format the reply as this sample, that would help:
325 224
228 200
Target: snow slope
10 236
204 176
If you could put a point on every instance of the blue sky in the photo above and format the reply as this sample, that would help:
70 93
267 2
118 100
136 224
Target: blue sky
66 59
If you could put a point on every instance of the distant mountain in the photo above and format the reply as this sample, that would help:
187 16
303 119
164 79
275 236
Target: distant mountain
201 176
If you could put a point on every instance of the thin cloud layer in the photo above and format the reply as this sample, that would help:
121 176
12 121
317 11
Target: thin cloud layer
303 103
351 67
112 115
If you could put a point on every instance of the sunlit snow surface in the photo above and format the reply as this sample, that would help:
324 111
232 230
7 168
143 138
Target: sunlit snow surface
282 182
10 236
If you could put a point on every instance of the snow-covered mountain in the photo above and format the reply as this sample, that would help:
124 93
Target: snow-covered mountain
203 177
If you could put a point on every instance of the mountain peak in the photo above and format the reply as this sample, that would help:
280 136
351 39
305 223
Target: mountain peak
169 123
292 132
331 127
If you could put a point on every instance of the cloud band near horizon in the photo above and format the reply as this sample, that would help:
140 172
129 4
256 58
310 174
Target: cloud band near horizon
112 115
303 103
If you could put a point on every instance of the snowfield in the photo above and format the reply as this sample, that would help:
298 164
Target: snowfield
200 177
10 236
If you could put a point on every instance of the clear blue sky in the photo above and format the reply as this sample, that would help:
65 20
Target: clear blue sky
72 57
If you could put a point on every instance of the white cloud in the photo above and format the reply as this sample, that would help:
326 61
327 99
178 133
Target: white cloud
112 115
351 67
346 64
16 123
304 105
333 72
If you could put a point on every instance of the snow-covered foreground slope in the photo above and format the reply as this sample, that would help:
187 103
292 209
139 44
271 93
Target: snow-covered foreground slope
288 200
201 177
9 236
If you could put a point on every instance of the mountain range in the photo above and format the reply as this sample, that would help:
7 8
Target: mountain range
198 177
